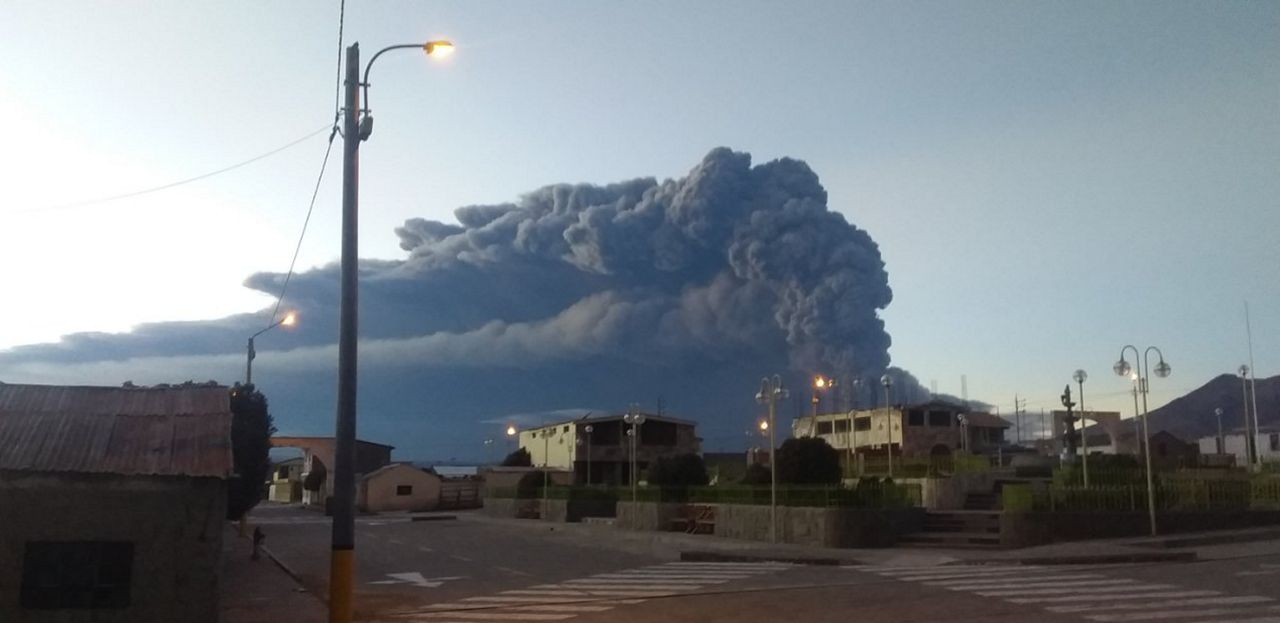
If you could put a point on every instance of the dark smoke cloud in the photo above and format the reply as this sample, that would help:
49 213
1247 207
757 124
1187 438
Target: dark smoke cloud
728 273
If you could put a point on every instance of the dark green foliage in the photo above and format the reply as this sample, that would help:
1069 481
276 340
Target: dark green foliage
530 485
685 470
251 430
519 458
808 461
757 474
316 477
1104 469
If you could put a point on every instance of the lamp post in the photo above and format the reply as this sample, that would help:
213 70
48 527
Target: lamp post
887 382
546 473
488 454
511 436
1080 377
1222 443
635 419
820 384
288 321
771 391
354 131
1162 370
588 430
1250 425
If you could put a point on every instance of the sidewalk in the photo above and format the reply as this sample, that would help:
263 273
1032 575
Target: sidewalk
259 591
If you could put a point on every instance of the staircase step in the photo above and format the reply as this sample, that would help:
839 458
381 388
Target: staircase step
952 539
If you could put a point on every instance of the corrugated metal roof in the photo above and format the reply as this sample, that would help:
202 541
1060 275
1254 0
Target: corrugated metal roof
172 431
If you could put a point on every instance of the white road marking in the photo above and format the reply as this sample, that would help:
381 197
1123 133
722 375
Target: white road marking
1035 585
934 575
1253 620
415 578
1173 603
1075 590
629 576
512 571
1172 614
1160 594
1034 578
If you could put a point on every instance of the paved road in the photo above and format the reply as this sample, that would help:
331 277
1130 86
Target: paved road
472 570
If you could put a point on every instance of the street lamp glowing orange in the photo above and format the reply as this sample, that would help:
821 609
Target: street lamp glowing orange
764 425
819 382
511 431
439 49
290 319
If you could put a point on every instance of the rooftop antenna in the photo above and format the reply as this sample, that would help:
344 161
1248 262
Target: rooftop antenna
964 388
933 388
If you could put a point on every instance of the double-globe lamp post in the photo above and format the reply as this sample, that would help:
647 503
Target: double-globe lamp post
887 382
635 420
771 391
1162 370
357 125
1080 377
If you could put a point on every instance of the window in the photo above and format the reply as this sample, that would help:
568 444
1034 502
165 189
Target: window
940 419
404 489
915 417
1275 442
566 428
862 423
842 426
79 575
824 428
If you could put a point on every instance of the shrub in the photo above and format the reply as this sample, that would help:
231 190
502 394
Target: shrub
251 431
685 470
808 461
530 485
757 474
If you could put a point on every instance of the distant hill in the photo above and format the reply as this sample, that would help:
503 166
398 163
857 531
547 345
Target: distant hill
1191 416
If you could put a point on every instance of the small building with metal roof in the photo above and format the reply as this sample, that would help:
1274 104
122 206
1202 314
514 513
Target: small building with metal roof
112 502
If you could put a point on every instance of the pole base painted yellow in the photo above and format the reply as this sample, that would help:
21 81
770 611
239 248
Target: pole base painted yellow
341 580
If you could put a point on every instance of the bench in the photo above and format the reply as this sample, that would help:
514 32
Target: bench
696 519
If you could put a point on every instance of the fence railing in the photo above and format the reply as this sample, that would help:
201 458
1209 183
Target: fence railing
877 495
1172 493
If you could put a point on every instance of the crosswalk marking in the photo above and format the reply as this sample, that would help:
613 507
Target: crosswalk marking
597 593
1173 614
1172 603
1271 619
1074 590
1006 580
1037 585
1161 594
934 575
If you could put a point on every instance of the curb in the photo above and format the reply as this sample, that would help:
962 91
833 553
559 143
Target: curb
794 560
432 517
1087 559
292 574
1210 539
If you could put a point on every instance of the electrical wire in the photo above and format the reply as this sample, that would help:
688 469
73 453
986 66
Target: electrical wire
337 113
145 191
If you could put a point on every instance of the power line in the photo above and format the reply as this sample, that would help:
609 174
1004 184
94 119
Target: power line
337 112
197 178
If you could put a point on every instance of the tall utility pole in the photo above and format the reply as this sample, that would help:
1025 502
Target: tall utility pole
342 544
1253 383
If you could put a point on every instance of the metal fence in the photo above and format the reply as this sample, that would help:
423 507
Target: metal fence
1172 493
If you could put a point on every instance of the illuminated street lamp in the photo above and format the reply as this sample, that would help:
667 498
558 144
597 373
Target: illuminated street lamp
289 320
887 382
1080 377
771 391
1222 443
355 130
1143 372
820 384
587 429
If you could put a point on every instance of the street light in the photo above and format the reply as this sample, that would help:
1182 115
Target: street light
354 130
636 420
1143 378
1222 443
1080 377
1250 426
887 381
587 429
771 391
820 384
289 320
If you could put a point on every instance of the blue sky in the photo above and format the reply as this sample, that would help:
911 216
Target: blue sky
1046 181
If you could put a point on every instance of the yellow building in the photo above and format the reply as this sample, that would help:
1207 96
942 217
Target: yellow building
602 454
931 429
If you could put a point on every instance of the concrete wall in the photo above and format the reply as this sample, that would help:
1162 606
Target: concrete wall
509 507
506 478
377 492
938 494
821 527
175 525
655 516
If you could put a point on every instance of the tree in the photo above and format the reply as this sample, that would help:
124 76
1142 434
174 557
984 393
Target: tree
519 458
808 461
251 430
757 474
684 470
